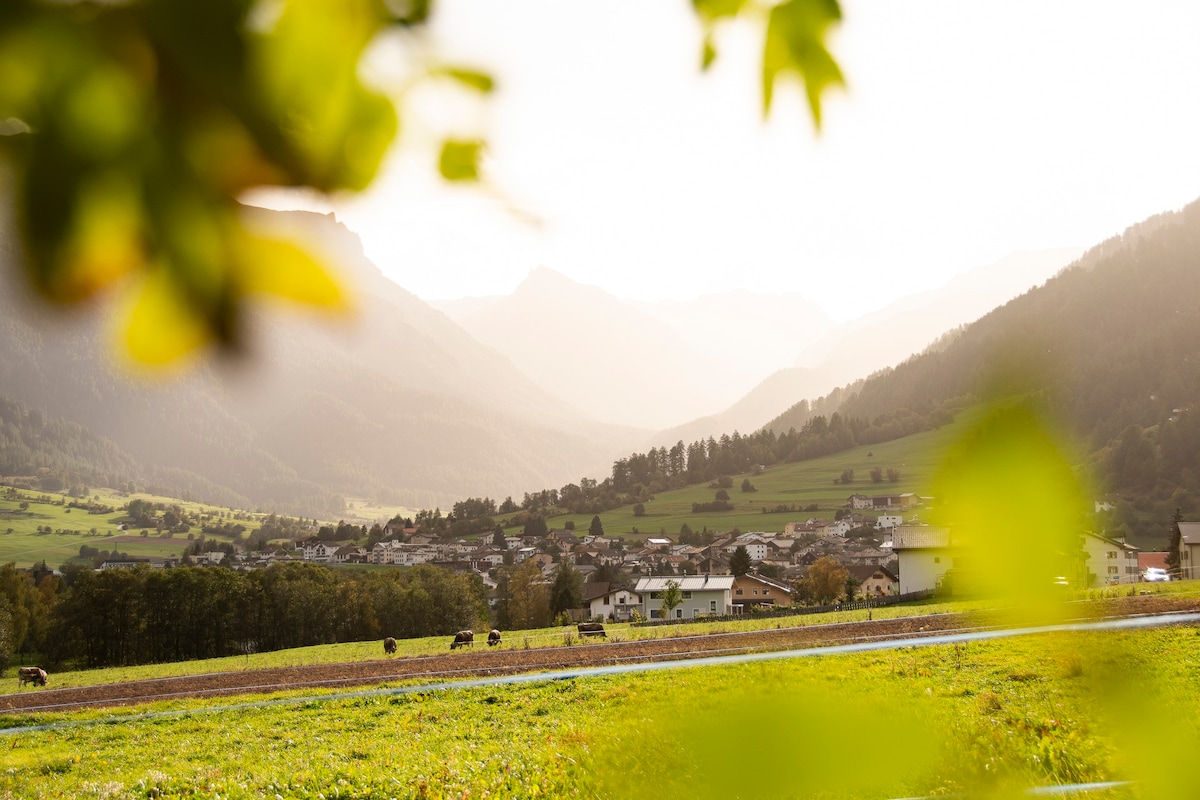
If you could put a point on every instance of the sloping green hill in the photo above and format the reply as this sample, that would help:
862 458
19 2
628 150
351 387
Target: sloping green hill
801 484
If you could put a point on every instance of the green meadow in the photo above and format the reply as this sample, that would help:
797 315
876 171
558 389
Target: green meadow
985 720
558 636
20 541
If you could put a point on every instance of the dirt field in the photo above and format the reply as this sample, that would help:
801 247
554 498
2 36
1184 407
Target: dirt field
482 661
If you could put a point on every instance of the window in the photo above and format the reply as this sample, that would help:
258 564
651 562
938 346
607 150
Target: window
1112 553
687 595
739 591
937 559
712 605
679 613
1112 570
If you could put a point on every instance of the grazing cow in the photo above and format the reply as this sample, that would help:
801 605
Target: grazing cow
462 639
34 675
592 629
493 638
389 646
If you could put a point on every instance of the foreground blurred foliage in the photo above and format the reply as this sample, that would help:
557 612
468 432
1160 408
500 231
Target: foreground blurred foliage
135 126
1015 511
131 128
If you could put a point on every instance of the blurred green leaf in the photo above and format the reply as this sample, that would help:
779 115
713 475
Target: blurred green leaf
710 10
668 750
285 270
148 120
409 12
795 42
459 160
308 66
161 327
709 54
479 81
1014 507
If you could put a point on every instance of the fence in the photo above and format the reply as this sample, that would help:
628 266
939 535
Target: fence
796 611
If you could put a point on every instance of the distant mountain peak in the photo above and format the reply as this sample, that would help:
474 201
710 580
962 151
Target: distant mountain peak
545 279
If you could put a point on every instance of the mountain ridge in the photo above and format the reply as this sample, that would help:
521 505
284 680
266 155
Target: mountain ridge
406 407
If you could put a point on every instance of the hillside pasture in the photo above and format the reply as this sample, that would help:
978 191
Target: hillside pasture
21 543
799 484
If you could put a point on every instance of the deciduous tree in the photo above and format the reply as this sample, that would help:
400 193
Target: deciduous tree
528 603
671 597
827 580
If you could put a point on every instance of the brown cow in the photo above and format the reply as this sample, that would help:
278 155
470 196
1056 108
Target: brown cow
35 675
389 646
462 639
592 629
493 638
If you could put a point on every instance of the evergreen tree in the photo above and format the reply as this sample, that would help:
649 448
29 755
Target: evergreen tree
739 562
1173 550
597 527
566 592
536 526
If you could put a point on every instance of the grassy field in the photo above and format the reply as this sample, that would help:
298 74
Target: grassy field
361 511
437 645
982 720
801 484
20 541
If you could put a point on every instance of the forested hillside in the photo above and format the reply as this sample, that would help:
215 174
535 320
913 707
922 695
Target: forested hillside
1112 349
66 455
1109 349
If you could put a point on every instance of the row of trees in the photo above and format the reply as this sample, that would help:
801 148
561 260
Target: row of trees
525 600
136 616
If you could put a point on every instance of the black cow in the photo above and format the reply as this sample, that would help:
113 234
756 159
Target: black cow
389 646
462 639
493 638
35 675
592 629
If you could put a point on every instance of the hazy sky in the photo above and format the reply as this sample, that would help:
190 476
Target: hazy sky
968 131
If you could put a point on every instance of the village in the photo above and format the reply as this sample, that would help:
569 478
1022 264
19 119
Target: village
880 542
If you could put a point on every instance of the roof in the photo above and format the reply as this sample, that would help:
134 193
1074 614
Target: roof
593 590
1115 542
916 537
780 585
1152 560
688 583
862 572
1190 532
